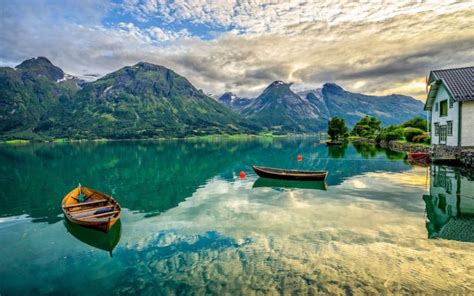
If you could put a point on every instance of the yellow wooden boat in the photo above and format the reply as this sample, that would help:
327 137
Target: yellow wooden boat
90 208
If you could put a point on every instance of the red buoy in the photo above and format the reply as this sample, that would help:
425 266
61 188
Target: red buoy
299 158
242 175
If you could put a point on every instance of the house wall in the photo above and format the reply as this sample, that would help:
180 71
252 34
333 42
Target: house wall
467 123
453 115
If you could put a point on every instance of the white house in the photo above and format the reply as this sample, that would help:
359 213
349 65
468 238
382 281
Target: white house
451 104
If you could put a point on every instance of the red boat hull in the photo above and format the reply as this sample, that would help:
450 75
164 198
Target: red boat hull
419 156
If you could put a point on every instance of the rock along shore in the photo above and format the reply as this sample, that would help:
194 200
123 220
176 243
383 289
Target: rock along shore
456 155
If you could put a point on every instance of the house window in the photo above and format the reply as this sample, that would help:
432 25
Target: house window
450 128
443 106
436 107
436 129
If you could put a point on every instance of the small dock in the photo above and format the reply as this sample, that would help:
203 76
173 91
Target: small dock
448 159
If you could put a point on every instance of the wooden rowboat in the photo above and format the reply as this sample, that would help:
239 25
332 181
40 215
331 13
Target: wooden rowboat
282 174
419 156
98 210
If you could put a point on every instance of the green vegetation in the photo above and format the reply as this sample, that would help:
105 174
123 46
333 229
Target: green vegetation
390 133
144 101
416 122
413 130
422 138
17 141
337 128
367 127
60 140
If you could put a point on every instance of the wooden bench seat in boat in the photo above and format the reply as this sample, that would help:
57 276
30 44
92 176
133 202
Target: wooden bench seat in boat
86 203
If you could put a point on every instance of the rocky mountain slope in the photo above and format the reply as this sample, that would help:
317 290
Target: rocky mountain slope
234 102
391 109
278 108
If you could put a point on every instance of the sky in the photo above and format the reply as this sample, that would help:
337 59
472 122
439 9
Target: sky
368 46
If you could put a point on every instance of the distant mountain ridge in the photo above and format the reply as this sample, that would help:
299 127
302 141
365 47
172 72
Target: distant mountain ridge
278 108
390 109
39 101
233 102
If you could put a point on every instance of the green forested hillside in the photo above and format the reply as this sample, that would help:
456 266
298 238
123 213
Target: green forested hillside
27 93
140 101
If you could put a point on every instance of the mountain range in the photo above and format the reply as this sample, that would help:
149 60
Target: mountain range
279 108
39 101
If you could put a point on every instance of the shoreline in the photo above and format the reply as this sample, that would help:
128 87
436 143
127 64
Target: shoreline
396 145
203 137
447 155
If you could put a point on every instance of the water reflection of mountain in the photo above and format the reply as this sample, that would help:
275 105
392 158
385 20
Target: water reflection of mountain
152 177
450 205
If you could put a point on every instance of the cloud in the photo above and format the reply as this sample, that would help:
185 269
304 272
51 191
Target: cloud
277 16
371 48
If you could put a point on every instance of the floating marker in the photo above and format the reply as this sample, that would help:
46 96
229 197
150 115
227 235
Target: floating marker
299 158
242 175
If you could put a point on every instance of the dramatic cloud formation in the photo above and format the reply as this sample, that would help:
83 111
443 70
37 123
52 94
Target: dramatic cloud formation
241 46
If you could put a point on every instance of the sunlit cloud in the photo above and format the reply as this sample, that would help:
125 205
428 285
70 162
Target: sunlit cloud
242 46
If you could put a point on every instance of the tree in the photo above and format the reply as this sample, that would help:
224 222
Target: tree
367 127
337 128
375 124
416 122
390 133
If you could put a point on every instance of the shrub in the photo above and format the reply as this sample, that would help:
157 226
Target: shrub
390 133
411 132
420 138
392 136
424 138
428 140
416 122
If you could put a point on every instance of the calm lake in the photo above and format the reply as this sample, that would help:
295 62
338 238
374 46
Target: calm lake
191 225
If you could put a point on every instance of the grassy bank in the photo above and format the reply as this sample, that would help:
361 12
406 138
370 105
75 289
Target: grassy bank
17 141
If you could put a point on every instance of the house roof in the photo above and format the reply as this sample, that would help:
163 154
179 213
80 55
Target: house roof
458 81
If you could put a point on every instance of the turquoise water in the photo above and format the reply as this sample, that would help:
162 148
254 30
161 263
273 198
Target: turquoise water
191 225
